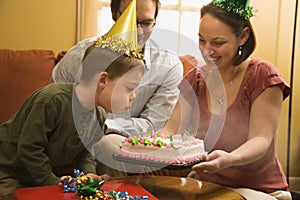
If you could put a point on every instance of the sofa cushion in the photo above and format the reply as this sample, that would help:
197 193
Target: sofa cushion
189 62
22 72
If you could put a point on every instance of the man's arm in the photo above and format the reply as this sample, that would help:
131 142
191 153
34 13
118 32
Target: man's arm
155 99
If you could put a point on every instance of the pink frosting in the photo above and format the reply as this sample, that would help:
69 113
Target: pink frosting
148 157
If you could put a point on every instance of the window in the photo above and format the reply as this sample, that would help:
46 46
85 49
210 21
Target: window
178 18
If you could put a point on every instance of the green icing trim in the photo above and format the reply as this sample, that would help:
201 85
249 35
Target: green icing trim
147 142
135 141
160 143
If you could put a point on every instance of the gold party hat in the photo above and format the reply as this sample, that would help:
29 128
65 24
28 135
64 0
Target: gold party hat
122 37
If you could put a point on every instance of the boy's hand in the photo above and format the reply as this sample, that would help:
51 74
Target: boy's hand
95 177
61 180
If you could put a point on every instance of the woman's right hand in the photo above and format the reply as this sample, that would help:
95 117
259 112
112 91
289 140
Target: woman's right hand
214 162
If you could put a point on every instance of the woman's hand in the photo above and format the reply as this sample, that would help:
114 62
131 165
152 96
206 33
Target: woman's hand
214 162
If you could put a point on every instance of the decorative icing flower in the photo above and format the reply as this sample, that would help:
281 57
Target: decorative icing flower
147 142
135 141
160 143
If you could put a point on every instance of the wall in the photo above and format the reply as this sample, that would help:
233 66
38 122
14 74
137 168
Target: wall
32 24
266 28
274 23
284 54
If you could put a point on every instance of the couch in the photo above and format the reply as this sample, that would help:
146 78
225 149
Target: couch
23 71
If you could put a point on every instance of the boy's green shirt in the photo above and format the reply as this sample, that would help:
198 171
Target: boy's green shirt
41 140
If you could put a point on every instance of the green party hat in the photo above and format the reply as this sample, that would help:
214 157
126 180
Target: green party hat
238 7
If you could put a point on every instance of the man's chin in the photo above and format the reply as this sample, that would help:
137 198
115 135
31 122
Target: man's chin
142 43
142 40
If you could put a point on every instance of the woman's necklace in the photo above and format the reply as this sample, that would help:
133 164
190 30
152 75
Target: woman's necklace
221 97
221 100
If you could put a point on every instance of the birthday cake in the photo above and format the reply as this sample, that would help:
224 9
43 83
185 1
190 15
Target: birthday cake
170 150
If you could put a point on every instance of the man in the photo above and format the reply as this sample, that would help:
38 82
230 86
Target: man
157 92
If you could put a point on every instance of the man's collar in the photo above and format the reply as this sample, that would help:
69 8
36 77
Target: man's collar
147 56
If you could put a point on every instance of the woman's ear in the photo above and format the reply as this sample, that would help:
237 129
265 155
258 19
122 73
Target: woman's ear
244 36
102 80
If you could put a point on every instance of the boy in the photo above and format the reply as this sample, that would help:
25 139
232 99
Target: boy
58 124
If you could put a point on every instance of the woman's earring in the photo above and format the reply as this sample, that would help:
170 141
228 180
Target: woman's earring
240 50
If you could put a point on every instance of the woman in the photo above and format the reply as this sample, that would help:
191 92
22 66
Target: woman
244 153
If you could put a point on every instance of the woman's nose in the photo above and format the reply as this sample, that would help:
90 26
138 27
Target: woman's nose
209 50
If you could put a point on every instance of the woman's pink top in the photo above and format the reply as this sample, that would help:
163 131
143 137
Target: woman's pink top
265 174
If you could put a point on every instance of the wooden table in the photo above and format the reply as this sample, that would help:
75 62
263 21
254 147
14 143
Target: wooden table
167 188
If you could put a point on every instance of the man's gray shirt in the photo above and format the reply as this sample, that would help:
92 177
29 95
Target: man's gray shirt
156 95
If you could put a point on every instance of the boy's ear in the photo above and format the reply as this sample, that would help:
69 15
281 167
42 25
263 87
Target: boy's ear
103 78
